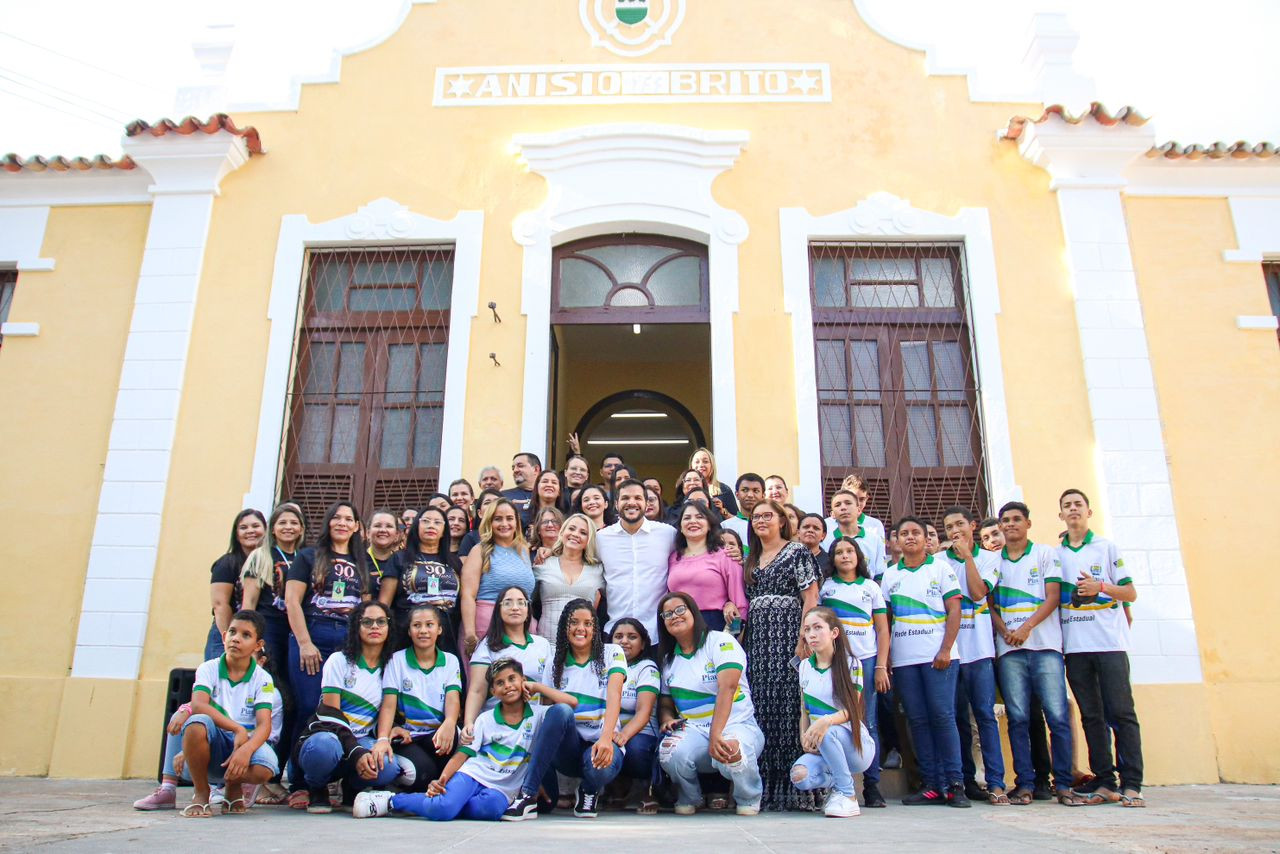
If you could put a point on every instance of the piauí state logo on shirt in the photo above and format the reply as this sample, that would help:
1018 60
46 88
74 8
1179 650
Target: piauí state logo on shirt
631 27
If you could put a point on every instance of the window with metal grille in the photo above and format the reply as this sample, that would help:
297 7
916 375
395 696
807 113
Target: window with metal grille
1271 271
367 402
8 283
629 279
897 388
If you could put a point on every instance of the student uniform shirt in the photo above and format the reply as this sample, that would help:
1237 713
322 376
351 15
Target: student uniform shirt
590 690
238 700
533 657
691 681
1098 626
977 638
642 677
226 570
871 544
421 691
499 751
817 692
1020 591
424 579
338 594
856 603
865 522
918 601
359 690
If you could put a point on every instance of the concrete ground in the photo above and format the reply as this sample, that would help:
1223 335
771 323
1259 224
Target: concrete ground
69 815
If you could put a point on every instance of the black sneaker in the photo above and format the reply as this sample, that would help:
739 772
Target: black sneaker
973 791
522 808
925 797
956 796
585 806
871 797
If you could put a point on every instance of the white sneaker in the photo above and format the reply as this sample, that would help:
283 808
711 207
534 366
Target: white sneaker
841 806
408 773
371 805
685 809
216 796
749 809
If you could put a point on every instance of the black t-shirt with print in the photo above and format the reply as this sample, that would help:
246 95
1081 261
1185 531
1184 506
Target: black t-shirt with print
271 599
339 592
425 578
226 570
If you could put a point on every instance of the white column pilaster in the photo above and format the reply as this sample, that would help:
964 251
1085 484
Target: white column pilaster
1087 163
122 557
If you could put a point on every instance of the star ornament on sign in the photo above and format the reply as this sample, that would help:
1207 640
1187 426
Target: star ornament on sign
631 27
805 82
459 86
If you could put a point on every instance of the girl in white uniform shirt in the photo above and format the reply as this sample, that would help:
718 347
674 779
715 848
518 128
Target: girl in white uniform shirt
836 742
508 637
707 718
423 684
582 682
638 720
859 604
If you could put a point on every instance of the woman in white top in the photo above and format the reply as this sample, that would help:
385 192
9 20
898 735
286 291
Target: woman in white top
573 571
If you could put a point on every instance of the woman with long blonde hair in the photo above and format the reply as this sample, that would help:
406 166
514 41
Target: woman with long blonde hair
500 560
705 464
572 571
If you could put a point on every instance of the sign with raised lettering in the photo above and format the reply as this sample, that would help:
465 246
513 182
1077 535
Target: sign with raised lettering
632 84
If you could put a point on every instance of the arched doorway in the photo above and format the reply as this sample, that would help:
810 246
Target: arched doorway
655 433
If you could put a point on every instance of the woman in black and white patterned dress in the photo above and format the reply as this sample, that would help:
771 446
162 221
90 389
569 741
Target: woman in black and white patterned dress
782 584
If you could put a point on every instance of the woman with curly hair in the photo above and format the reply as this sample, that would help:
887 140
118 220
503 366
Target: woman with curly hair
583 685
351 693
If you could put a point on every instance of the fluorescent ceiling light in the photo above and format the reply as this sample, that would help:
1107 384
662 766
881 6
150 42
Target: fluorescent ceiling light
638 415
637 441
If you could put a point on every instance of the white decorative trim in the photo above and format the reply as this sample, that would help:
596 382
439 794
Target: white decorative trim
1257 223
658 32
122 556
65 189
1089 166
333 74
19 330
22 236
1258 321
883 216
383 222
612 178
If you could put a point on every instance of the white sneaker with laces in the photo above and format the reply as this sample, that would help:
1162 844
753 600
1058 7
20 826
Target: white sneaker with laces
371 804
840 806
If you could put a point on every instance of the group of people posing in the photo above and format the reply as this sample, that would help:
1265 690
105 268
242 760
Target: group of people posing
473 657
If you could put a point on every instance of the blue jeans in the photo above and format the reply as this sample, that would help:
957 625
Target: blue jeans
213 646
836 763
222 743
277 646
328 636
685 753
929 698
1025 673
463 797
172 747
976 688
870 707
557 744
322 762
639 761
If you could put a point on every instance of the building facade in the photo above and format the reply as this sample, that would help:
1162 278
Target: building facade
656 224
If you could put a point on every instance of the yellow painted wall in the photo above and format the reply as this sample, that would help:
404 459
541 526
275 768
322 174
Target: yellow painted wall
888 128
1190 300
59 390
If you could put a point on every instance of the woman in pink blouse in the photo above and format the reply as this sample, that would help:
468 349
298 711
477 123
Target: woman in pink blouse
700 567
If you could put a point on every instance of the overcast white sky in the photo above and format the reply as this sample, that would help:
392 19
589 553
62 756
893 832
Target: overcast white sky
73 73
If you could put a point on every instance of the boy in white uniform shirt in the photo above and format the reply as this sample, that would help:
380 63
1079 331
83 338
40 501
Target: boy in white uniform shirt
976 570
1029 645
1095 636
844 510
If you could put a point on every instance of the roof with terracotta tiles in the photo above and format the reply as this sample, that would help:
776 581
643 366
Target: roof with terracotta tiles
1124 116
1217 151
184 127
191 125
14 163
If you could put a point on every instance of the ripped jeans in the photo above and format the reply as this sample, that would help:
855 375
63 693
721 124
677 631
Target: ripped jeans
685 753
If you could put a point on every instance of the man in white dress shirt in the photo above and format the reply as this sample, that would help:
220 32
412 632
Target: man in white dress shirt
634 552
